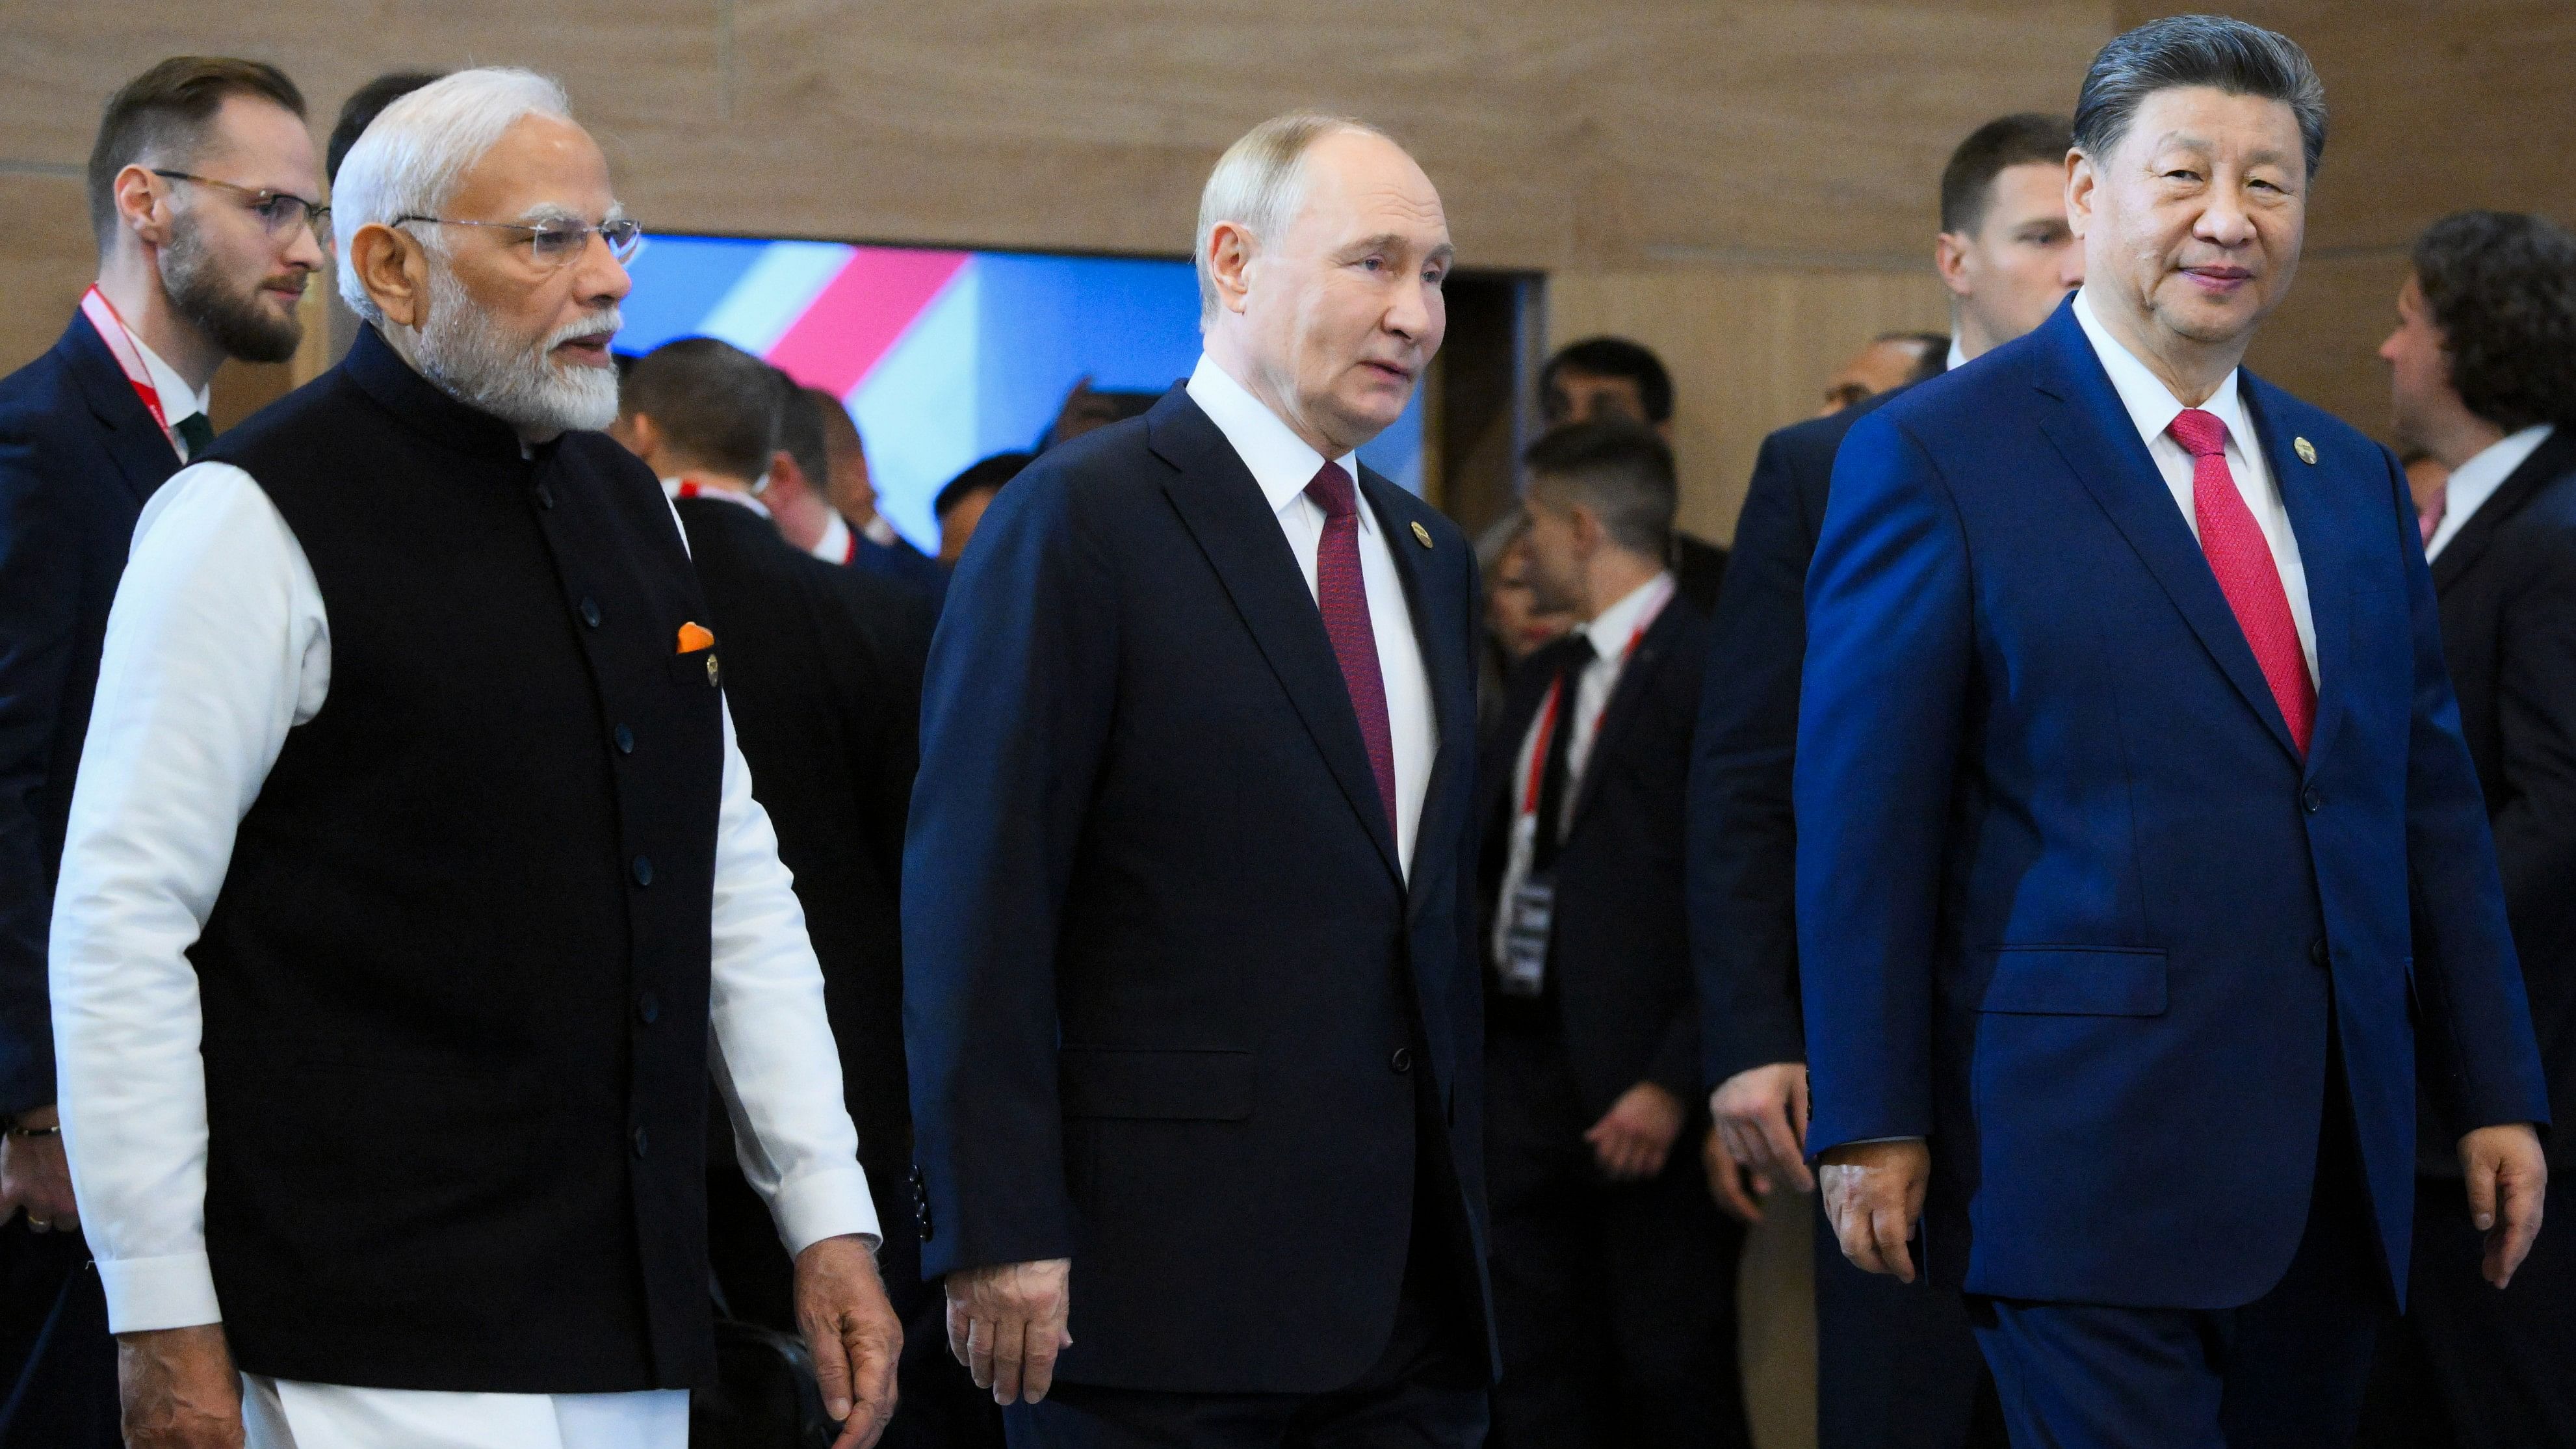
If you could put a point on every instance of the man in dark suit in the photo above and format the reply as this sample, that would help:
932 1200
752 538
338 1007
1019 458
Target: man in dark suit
192 269
1601 379
873 545
2483 373
1896 1364
2125 744
1191 1006
1614 1274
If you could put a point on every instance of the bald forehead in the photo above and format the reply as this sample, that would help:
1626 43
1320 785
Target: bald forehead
1358 171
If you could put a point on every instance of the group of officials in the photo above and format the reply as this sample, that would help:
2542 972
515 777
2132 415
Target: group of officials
468 883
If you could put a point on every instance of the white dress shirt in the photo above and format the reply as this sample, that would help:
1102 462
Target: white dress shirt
1283 465
837 544
2475 481
2153 407
178 400
1611 632
217 647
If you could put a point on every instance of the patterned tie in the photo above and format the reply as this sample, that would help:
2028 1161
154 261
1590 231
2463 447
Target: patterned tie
1343 595
2428 519
2247 575
197 433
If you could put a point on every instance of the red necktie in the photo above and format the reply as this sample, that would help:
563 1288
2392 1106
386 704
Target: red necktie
1342 594
2247 575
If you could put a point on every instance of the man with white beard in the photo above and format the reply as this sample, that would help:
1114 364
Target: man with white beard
414 883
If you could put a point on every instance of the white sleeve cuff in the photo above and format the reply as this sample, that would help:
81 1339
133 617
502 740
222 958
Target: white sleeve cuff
148 1293
827 1204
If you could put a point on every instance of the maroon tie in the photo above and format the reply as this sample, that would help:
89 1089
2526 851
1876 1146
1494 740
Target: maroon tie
1343 595
2247 575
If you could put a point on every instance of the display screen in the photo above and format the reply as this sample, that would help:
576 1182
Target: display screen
942 357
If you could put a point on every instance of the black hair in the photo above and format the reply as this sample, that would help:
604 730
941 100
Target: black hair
1616 357
1624 471
2502 287
984 476
364 105
2197 50
1968 182
716 404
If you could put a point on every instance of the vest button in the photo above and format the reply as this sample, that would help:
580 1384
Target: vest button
625 740
648 1008
641 1142
1401 1062
590 612
2313 799
643 870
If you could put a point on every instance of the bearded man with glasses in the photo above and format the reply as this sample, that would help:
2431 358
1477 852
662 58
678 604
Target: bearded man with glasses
196 189
386 1027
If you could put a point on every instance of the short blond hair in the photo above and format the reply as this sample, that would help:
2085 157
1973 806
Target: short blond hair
1260 181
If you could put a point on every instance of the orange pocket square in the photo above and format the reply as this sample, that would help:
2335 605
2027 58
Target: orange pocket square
694 637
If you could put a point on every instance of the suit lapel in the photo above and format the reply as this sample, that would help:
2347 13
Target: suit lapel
2552 460
1225 511
2309 495
1433 597
1619 712
2092 432
144 458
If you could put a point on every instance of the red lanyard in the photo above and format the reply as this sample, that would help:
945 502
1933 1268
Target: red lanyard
111 329
692 488
1547 721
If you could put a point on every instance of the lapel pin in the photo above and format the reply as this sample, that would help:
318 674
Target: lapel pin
2306 450
1422 535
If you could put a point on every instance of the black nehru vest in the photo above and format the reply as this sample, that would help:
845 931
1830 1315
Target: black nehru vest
455 985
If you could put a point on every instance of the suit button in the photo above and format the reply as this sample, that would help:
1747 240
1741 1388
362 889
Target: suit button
1401 1062
590 612
641 1142
2316 952
545 495
2313 798
643 870
625 740
648 1008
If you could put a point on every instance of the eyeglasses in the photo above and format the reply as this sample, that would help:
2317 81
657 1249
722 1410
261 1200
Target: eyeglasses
276 210
555 243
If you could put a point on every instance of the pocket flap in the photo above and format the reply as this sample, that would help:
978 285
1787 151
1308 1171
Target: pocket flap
1154 1082
2076 981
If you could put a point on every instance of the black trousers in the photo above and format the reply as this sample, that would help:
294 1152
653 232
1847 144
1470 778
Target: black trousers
1615 1301
2468 1366
57 1362
1897 1366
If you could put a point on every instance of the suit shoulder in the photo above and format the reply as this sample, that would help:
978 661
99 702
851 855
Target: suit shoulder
2336 441
37 397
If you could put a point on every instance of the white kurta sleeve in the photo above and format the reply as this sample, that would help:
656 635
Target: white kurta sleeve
216 646
774 1059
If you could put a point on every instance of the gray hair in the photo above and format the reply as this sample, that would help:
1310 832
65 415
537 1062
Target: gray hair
413 155
1259 183
2197 50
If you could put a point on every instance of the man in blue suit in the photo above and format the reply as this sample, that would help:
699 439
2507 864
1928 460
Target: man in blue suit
2125 746
1191 1005
202 189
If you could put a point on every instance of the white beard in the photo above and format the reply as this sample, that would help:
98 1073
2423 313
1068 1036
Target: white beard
472 360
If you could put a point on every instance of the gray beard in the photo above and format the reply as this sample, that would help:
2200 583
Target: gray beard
473 360
231 318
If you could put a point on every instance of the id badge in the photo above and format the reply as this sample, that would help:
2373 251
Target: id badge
1530 919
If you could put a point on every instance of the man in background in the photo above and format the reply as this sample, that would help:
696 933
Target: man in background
362 106
962 500
1601 379
1614 1274
878 547
1890 361
203 193
2482 371
1896 1363
798 493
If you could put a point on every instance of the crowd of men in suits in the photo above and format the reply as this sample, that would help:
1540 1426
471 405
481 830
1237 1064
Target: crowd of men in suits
506 839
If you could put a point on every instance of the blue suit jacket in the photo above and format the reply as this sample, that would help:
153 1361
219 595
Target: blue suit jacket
1162 974
2071 904
79 454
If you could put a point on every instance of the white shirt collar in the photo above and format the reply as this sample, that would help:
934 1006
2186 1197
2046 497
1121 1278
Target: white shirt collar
1612 628
2152 406
178 400
834 546
1958 354
1278 459
673 488
2475 481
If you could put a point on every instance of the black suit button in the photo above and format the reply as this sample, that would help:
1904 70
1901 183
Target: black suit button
1401 1062
625 740
643 870
641 1141
590 612
2313 798
545 495
2316 952
648 1008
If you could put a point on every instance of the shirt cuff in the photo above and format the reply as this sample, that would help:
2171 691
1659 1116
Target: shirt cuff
819 1205
148 1293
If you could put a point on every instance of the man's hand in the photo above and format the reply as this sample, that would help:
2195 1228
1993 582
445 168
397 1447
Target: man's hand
853 1334
1006 1323
1726 1180
2508 1176
1761 1116
1634 1137
35 1175
1873 1197
179 1389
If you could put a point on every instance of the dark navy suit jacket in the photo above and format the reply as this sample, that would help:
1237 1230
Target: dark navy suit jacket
1163 977
79 455
2070 903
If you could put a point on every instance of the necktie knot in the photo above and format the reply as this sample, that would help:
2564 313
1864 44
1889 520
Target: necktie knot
195 431
1332 492
2201 433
